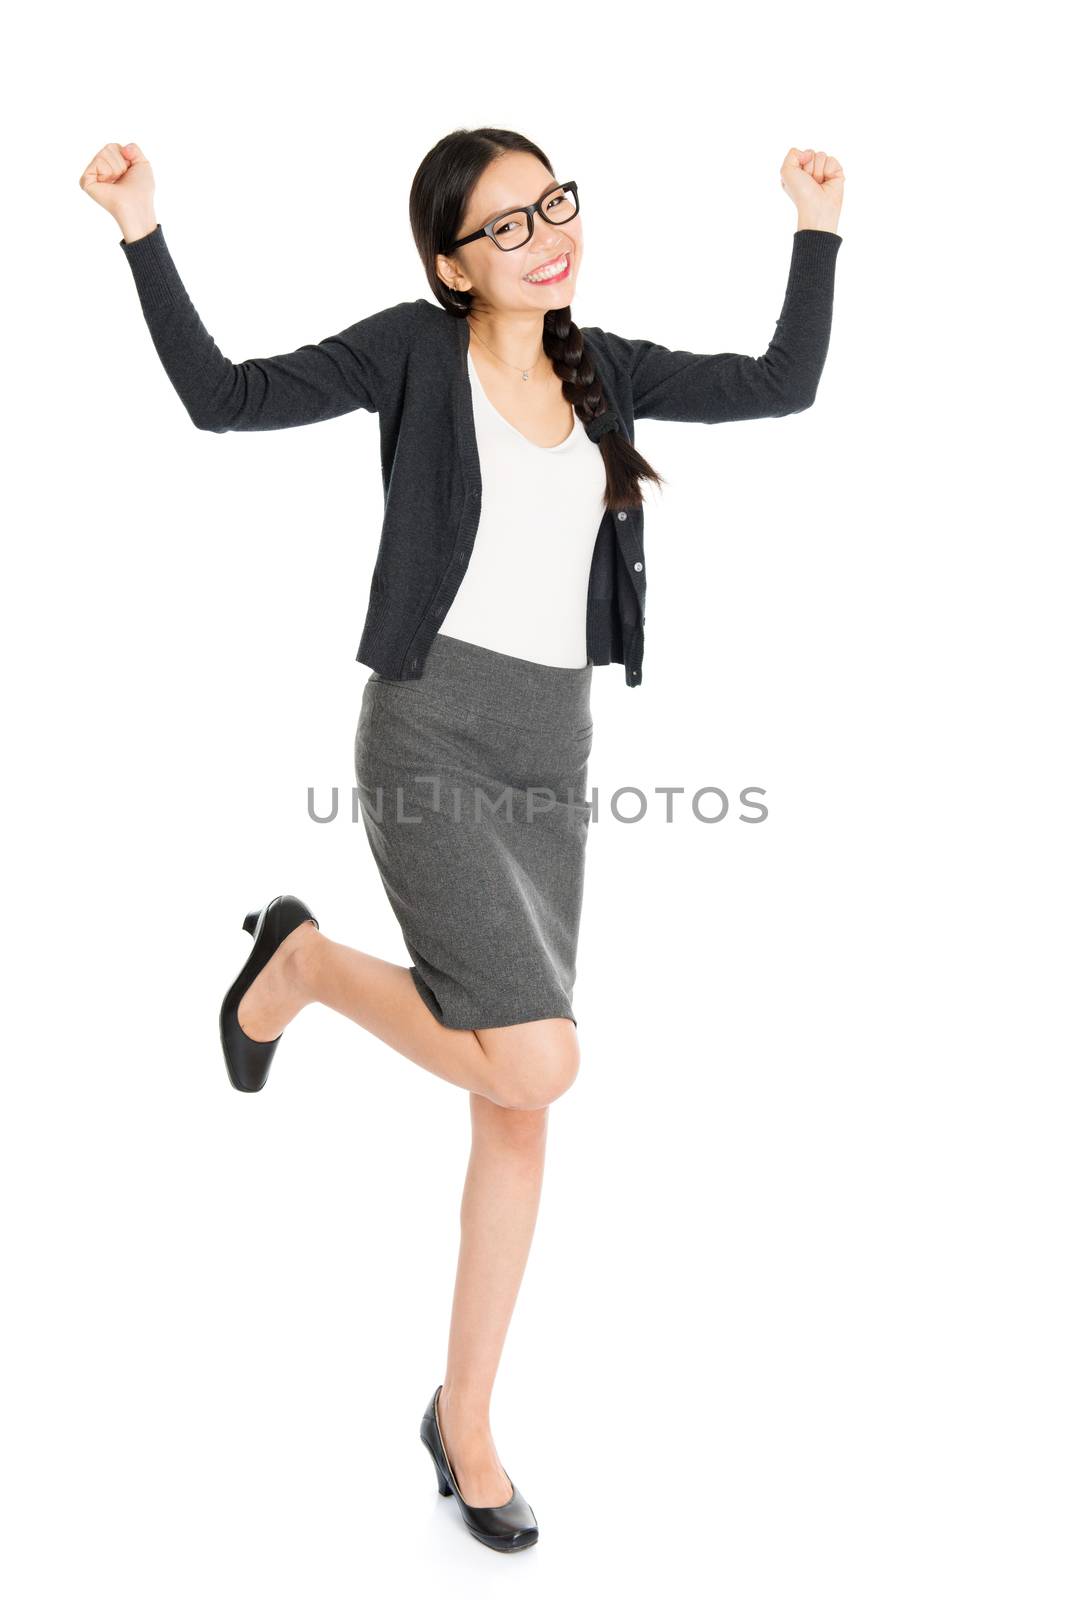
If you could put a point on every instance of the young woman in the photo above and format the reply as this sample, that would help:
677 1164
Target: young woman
502 418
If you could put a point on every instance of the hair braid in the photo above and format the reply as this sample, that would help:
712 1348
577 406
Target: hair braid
575 367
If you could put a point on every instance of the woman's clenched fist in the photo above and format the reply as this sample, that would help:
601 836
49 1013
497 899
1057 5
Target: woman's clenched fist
119 178
815 183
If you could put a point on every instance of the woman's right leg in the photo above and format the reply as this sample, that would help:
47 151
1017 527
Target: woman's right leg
523 1067
497 1217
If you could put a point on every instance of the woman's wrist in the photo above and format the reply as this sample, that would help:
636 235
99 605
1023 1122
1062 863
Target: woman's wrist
135 225
812 222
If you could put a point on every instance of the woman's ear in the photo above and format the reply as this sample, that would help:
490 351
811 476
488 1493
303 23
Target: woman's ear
447 271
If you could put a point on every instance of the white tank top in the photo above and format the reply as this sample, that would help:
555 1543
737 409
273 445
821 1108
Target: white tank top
525 589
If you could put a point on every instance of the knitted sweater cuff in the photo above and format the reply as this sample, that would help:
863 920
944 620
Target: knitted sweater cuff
152 267
814 254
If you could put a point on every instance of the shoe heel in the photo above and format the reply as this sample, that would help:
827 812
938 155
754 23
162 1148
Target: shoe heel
250 921
444 1486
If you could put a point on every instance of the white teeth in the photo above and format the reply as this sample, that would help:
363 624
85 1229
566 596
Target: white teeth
554 271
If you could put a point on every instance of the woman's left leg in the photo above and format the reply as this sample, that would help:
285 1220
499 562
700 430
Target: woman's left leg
497 1216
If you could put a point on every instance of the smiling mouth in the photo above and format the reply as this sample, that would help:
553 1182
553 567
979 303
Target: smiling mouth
550 271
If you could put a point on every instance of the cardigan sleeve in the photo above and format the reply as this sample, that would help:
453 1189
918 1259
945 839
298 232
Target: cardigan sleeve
352 370
679 386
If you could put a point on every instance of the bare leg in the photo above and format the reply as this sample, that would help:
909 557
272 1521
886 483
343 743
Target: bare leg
522 1067
497 1217
512 1074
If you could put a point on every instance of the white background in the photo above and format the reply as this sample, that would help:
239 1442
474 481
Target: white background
793 1322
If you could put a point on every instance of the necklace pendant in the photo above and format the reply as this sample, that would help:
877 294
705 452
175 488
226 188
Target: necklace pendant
526 375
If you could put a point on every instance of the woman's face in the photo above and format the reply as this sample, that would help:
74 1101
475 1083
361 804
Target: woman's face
499 279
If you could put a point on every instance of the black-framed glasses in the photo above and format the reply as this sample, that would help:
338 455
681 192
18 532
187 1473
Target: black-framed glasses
510 230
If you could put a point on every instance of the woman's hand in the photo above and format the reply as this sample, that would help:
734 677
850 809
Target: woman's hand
119 178
815 182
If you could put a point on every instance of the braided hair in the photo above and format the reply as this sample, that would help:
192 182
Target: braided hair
438 201
574 366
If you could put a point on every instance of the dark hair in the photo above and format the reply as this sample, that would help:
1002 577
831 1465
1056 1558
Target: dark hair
439 196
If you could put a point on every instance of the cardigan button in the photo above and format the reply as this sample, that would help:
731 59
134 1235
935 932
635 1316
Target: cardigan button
637 566
622 515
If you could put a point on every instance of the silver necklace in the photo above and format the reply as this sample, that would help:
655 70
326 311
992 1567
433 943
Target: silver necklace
524 370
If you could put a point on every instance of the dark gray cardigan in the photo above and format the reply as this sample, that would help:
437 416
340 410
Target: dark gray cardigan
408 363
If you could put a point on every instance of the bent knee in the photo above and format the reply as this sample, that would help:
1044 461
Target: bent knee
534 1063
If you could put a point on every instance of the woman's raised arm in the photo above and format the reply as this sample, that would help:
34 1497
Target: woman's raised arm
679 386
350 371
353 370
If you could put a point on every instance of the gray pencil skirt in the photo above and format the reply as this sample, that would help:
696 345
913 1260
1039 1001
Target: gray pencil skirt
472 790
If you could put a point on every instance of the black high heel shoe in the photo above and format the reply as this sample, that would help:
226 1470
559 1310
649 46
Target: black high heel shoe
511 1526
248 1060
